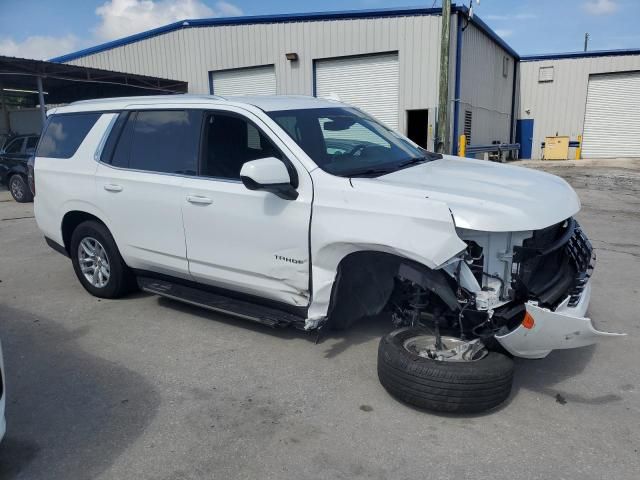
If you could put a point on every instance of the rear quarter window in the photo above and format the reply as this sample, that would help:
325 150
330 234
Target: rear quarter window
64 133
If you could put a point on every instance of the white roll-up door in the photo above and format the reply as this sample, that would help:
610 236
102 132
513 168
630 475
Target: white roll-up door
368 82
245 81
612 118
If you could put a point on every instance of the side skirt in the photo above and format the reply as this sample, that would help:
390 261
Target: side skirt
217 302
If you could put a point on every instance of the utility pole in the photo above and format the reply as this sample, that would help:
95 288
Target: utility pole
586 41
443 143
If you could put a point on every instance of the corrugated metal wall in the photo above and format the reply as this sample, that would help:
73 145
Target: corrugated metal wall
559 106
484 90
189 54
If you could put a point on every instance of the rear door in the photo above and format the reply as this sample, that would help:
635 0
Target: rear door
246 241
140 181
11 157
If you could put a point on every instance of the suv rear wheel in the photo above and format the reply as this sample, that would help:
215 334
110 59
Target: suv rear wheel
19 189
97 261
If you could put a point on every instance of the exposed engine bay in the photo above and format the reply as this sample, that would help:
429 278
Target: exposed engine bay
482 292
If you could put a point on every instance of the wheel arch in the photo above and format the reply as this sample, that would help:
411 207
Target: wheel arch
13 172
369 276
70 222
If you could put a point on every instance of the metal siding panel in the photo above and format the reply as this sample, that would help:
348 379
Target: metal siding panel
612 117
190 55
484 90
559 106
306 63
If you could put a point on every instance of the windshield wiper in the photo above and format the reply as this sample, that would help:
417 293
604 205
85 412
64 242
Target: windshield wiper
428 157
413 161
370 172
375 172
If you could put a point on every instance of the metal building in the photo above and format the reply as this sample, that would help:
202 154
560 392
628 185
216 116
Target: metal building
595 95
383 61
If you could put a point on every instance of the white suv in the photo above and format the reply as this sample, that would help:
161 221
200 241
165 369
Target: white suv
307 212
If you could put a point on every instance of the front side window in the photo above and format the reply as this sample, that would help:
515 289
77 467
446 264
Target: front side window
229 142
164 141
347 142
64 133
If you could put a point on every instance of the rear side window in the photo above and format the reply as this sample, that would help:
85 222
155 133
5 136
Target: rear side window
165 141
63 134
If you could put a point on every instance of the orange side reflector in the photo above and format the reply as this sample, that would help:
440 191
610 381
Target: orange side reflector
528 321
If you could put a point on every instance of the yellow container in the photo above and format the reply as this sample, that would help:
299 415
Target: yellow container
556 148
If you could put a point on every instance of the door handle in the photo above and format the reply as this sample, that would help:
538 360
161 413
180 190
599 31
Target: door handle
112 187
198 200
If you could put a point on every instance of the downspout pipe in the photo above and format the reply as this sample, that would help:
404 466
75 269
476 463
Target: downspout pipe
513 101
456 95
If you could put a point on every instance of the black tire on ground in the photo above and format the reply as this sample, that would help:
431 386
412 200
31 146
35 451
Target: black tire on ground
121 279
452 387
19 189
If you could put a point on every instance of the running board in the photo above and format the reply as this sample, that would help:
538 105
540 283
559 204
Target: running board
269 316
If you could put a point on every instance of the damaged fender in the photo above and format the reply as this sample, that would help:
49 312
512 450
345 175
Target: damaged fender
348 220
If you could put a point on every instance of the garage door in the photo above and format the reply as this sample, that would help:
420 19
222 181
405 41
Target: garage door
369 82
244 81
612 118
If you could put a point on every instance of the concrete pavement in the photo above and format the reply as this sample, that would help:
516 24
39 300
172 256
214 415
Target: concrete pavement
148 388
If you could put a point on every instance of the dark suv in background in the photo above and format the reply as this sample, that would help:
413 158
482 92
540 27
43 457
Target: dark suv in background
13 165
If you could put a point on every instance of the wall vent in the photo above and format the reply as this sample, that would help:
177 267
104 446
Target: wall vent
467 125
545 74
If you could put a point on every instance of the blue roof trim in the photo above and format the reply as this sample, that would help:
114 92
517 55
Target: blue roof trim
477 21
593 53
249 20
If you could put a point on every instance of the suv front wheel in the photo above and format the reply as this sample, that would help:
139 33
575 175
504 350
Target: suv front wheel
97 261
456 376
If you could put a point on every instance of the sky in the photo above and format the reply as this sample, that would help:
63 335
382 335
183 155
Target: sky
47 28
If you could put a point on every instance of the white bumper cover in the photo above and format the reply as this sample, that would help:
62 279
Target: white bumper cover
566 327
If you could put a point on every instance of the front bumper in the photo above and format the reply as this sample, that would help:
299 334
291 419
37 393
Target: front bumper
564 327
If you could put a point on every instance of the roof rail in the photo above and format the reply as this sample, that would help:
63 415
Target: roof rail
177 96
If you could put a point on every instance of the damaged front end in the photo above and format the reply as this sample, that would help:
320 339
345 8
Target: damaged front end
527 290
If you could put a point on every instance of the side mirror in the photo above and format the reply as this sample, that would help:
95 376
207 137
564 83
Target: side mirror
268 174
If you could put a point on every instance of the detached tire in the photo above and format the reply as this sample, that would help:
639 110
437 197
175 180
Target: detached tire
442 386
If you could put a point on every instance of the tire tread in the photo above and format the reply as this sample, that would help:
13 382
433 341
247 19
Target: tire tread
452 387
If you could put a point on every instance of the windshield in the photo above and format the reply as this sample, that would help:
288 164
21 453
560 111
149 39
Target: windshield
348 143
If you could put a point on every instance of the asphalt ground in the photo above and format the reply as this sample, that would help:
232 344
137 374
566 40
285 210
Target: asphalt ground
147 388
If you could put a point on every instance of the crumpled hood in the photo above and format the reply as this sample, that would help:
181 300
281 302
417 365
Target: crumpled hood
483 195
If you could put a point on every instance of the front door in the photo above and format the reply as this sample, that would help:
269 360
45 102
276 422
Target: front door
246 241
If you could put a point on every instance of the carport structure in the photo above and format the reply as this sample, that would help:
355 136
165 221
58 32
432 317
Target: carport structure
27 82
